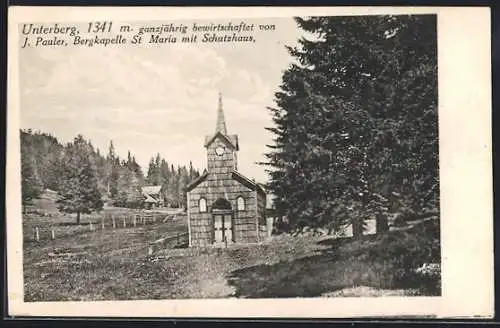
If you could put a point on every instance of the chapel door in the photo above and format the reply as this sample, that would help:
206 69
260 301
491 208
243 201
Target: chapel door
218 228
223 229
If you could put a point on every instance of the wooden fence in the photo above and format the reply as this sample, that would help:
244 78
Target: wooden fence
98 222
124 220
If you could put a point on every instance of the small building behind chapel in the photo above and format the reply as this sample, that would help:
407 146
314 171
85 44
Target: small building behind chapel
224 206
153 196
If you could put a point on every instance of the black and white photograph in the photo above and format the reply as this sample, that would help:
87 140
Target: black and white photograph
230 158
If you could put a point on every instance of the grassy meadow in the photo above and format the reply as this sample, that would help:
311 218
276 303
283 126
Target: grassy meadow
125 263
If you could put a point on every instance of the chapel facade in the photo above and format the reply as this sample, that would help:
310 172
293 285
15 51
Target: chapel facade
224 206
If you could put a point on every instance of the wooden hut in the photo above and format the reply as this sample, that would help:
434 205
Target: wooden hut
153 196
224 206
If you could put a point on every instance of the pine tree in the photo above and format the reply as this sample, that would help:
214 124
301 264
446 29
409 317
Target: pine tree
79 192
154 175
111 171
114 177
101 166
191 171
183 181
151 175
166 178
139 175
356 121
111 151
129 159
173 187
157 172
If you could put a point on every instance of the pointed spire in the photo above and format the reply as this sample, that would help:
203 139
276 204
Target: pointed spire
221 122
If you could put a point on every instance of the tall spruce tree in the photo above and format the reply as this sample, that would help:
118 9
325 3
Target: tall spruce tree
356 121
79 190
112 170
139 175
183 182
155 174
166 178
151 174
173 188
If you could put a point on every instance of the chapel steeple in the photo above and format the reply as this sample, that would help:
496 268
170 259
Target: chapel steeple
221 122
221 130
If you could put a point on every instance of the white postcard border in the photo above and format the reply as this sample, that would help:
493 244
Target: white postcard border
464 67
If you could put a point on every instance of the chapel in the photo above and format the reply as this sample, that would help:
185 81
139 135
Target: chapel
224 206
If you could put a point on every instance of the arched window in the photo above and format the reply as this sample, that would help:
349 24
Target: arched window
241 203
202 204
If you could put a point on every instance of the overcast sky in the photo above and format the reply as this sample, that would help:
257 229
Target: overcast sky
159 98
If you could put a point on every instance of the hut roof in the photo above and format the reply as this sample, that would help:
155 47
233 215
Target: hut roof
150 199
151 190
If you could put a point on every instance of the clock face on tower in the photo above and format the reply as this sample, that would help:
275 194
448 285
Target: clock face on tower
219 150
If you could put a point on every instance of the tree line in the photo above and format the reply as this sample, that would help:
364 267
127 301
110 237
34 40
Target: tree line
355 122
85 179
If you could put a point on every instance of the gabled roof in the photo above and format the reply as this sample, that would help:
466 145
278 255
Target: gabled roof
197 181
149 199
234 175
231 140
151 190
247 182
